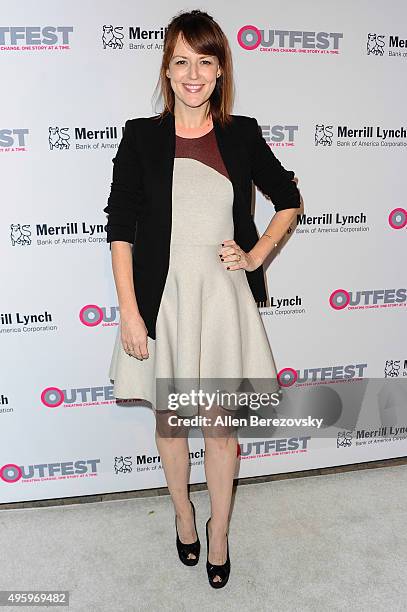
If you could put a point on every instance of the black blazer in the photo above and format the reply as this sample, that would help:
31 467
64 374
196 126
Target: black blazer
140 202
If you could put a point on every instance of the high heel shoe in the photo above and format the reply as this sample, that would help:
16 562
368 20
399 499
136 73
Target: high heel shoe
185 549
222 571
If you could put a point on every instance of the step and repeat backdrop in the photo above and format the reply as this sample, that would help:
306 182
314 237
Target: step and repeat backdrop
327 84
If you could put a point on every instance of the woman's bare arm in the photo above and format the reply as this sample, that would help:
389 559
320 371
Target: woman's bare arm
276 229
133 329
122 264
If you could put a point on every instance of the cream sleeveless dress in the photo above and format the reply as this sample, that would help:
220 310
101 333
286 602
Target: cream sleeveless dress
208 326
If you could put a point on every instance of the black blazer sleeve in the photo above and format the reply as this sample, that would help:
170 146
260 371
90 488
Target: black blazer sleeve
126 193
269 175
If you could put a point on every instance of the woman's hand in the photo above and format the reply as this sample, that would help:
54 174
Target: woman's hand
134 335
236 259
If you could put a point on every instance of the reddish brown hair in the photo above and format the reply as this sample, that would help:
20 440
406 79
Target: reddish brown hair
201 32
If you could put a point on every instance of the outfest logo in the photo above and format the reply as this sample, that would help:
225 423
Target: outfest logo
287 377
13 140
250 38
93 315
273 447
35 38
53 397
398 218
279 135
11 472
368 298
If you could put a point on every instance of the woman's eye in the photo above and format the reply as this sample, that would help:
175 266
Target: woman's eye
204 61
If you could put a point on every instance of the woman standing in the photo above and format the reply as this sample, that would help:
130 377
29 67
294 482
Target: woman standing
187 263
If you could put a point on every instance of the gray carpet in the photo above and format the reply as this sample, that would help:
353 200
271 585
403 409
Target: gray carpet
323 543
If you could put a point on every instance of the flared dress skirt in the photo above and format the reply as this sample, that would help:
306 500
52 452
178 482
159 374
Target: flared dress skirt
208 326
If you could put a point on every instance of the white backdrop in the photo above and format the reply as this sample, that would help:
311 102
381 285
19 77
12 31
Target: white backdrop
314 74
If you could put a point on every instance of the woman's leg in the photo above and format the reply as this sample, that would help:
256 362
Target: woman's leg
220 467
172 445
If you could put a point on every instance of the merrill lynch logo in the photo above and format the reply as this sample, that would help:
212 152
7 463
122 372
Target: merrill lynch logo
58 138
323 135
344 439
112 37
375 44
20 234
123 465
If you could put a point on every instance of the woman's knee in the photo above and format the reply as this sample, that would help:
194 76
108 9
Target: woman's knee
218 424
166 428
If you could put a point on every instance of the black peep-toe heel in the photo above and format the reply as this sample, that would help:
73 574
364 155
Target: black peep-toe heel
185 549
222 571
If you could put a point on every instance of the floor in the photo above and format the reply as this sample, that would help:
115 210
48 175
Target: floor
321 543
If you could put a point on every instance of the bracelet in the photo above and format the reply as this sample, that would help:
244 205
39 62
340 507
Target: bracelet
268 236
